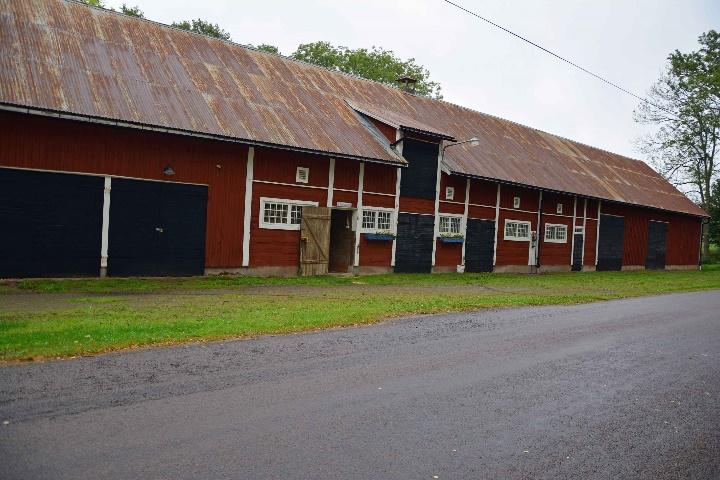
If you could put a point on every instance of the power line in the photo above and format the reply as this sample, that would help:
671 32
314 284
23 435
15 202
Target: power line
559 57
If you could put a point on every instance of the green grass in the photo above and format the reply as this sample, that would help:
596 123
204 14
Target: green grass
59 318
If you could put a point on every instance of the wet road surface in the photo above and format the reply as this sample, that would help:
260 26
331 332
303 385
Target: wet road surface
621 389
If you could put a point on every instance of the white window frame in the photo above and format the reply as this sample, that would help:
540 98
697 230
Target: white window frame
515 238
298 177
450 215
516 202
579 230
391 211
290 203
553 226
559 209
449 193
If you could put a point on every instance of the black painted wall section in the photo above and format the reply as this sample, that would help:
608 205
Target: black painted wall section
578 253
413 250
611 244
657 245
156 228
50 224
479 245
419 179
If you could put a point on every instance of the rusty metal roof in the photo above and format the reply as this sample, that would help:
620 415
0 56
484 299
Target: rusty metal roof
65 56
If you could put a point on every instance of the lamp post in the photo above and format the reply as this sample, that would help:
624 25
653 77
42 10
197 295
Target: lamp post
472 141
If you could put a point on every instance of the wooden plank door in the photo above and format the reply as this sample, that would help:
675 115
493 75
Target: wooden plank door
314 241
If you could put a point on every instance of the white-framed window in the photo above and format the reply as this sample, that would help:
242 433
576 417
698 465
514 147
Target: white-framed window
449 193
559 208
302 174
516 202
450 224
555 233
377 220
517 230
579 230
282 214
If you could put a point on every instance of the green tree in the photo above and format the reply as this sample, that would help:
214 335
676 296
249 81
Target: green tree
203 27
95 3
267 48
714 211
132 11
374 64
684 105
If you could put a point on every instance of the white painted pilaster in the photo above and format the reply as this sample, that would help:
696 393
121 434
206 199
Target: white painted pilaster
396 213
105 235
497 220
247 213
465 220
331 183
436 227
597 235
572 232
358 216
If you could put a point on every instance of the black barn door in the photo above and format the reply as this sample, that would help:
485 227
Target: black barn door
413 250
156 228
50 224
657 245
578 252
610 246
479 245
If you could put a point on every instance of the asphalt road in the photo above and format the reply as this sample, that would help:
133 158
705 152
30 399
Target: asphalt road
626 389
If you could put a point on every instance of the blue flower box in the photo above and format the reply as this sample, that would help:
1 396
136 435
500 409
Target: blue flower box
452 239
379 237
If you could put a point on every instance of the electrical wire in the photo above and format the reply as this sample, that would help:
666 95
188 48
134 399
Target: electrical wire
559 57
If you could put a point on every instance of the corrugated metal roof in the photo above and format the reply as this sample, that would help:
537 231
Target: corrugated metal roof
64 56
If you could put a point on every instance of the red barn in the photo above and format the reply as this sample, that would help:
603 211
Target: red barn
132 148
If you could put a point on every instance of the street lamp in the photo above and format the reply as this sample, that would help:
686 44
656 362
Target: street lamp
472 141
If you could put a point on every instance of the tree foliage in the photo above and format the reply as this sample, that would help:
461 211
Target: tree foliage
714 211
132 11
684 105
203 27
264 47
374 64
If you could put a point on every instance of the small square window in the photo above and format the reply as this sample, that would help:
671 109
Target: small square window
559 208
383 220
302 174
368 220
449 193
578 230
516 202
450 225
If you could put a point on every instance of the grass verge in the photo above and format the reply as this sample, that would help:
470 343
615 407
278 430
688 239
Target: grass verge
61 318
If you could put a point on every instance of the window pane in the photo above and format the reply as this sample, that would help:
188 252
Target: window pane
522 230
383 220
275 213
511 229
444 224
368 219
549 232
295 214
454 224
560 233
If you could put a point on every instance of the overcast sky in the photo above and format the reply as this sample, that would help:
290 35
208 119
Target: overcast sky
481 67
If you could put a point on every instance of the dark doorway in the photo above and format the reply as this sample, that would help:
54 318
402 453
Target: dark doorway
414 243
657 245
342 238
51 224
156 228
578 252
479 245
610 244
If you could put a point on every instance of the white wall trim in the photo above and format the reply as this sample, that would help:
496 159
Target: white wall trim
597 233
298 185
378 193
105 236
465 220
396 213
247 212
582 262
331 182
532 212
572 232
436 226
481 205
358 214
497 219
